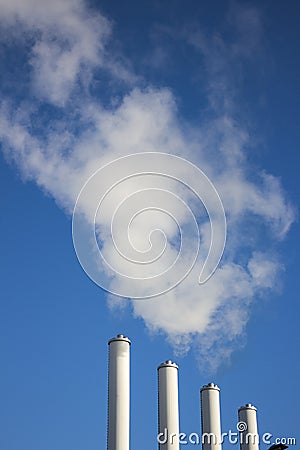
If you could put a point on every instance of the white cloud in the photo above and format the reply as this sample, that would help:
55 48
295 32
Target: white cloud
68 42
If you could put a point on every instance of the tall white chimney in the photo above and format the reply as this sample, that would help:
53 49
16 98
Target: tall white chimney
210 417
168 408
118 393
247 426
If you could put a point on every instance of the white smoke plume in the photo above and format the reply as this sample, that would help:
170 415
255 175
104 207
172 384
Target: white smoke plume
59 133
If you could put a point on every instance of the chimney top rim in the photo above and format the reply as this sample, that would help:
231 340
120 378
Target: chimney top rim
168 363
120 337
210 386
248 406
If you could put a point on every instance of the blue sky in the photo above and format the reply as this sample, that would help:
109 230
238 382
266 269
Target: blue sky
83 83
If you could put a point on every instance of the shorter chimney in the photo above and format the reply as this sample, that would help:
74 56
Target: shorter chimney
247 427
210 417
168 409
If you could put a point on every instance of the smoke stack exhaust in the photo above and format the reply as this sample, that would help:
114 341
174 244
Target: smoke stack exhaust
168 409
247 425
118 393
210 417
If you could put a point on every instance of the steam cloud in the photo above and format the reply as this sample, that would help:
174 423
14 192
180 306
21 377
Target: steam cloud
59 133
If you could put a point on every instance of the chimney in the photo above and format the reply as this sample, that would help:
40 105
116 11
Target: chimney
118 393
247 426
168 409
210 417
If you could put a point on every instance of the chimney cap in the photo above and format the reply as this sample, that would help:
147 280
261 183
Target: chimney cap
247 406
168 363
120 337
211 386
